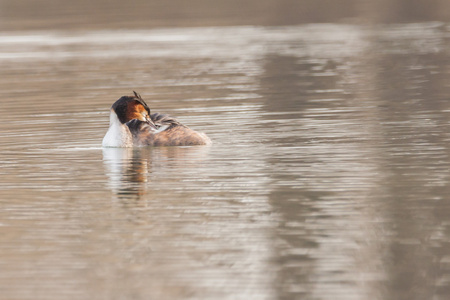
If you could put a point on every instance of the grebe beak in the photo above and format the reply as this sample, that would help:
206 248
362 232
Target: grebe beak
152 125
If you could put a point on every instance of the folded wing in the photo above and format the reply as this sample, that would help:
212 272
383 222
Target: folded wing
167 131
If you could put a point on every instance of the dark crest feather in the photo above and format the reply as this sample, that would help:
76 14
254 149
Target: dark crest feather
139 98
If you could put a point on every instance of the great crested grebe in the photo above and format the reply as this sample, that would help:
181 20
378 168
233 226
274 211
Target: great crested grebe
132 125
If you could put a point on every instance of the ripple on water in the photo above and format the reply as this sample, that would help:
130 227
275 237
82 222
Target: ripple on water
328 176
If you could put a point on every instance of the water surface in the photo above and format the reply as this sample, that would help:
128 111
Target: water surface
328 177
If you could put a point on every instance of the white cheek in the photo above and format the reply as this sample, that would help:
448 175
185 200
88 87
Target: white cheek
142 117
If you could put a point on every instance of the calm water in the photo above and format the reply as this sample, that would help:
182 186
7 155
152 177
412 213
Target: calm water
328 178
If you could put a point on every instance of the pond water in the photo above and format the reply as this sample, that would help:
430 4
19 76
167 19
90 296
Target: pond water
328 177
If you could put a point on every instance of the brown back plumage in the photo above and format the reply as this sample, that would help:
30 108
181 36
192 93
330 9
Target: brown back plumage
164 120
174 135
167 130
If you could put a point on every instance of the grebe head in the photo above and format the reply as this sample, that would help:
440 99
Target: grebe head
128 108
125 112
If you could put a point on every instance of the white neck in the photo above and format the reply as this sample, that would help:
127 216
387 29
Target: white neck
118 134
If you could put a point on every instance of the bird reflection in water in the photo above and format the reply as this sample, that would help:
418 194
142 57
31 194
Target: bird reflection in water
130 169
127 169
